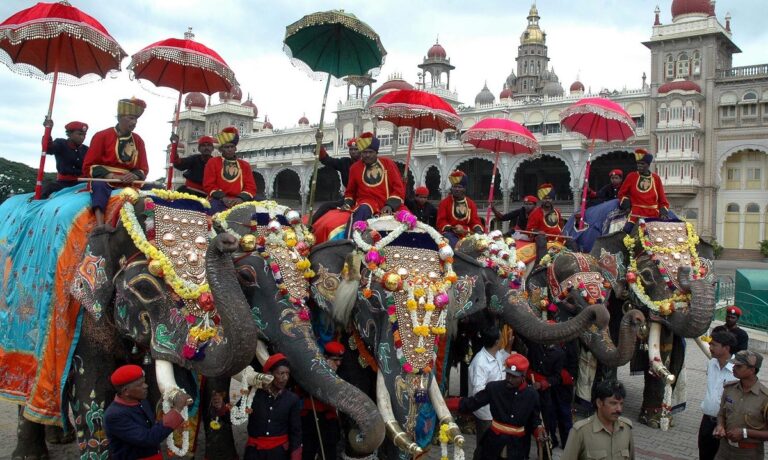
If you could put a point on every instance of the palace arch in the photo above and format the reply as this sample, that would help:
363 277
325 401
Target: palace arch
742 217
604 164
478 171
286 188
538 170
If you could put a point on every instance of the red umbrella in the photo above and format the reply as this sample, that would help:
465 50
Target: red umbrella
417 110
186 66
500 135
596 118
49 39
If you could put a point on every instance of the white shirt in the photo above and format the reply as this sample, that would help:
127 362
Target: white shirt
485 368
716 378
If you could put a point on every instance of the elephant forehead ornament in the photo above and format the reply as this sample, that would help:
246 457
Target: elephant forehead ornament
671 246
499 254
417 281
280 238
174 241
589 284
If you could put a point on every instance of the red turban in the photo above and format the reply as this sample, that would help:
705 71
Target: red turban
76 126
274 359
516 364
334 349
126 374
530 199
421 190
205 140
733 310
616 172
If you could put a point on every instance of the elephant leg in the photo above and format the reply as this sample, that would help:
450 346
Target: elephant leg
58 435
30 440
219 442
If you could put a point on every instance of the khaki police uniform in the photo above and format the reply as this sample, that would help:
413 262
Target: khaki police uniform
590 440
739 409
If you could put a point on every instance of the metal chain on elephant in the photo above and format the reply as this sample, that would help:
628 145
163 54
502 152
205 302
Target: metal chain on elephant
168 397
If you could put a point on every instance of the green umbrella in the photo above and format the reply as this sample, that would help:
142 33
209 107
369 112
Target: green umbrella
334 43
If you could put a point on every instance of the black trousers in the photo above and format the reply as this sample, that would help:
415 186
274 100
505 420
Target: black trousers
494 443
708 444
330 435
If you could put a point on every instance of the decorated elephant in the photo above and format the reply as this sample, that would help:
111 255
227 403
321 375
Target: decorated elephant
274 273
400 287
670 279
153 287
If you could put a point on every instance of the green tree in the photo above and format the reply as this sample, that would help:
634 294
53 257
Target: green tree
18 178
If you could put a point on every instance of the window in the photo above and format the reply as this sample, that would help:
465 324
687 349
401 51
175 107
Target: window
754 178
552 128
732 207
734 174
749 110
639 121
675 113
728 111
749 97
402 137
689 112
752 207
426 136
537 128
385 140
696 63
670 68
683 66
451 136
663 117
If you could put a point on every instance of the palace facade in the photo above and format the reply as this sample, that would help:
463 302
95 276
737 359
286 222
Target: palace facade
705 121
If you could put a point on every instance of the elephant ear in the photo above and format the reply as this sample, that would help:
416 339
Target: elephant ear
536 286
468 295
612 256
93 285
707 257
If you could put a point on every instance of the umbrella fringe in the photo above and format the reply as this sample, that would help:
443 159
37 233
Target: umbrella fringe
321 76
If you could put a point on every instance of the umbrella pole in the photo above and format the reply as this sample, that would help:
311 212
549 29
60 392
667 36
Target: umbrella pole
46 138
174 146
408 159
319 138
490 192
586 185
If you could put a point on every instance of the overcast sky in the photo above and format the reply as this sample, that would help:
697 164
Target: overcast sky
598 40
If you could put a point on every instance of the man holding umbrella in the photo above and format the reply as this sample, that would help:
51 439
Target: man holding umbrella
69 154
341 165
375 185
642 193
421 208
518 218
194 167
116 154
227 180
457 214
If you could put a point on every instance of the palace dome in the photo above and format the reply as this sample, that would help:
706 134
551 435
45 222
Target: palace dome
506 93
679 85
577 86
692 7
303 121
249 103
236 94
485 96
437 51
267 124
196 100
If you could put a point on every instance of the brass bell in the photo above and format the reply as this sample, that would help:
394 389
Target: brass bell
248 243
155 267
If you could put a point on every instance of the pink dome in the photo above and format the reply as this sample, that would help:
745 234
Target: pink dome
267 124
249 103
679 85
236 94
391 85
577 86
680 7
303 121
196 100
437 51
506 93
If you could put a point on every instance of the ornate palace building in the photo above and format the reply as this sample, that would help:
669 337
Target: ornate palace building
705 121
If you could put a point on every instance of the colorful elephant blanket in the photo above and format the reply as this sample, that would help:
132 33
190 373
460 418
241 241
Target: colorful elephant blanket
41 244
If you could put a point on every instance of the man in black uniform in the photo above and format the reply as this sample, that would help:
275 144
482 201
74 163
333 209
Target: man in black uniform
610 191
69 154
194 167
547 363
732 315
518 218
274 425
341 165
421 208
514 406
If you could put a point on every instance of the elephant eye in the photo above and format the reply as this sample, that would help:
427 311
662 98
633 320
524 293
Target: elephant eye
146 288
647 276
247 276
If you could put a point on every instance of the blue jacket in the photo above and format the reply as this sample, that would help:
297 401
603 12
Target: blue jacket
132 431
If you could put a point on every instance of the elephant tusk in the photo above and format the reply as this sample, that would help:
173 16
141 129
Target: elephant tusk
397 435
164 375
443 414
703 347
654 354
261 352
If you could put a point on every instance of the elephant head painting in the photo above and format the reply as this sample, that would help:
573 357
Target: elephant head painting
153 288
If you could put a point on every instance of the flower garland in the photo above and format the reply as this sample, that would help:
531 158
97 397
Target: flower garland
201 316
242 407
500 255
168 397
458 452
422 292
677 300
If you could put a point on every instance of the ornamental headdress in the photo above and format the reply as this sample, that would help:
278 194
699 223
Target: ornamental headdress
131 106
643 155
368 141
458 177
228 135
545 190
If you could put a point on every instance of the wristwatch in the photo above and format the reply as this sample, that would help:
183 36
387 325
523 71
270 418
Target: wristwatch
744 433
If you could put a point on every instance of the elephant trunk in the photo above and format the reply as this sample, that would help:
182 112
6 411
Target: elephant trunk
600 344
396 434
522 318
231 355
309 368
654 354
694 320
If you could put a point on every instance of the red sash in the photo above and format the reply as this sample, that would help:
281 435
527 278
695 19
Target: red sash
510 430
157 456
268 442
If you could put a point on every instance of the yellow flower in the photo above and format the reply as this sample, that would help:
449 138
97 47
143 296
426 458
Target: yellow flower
309 274
411 305
429 306
420 350
303 264
419 292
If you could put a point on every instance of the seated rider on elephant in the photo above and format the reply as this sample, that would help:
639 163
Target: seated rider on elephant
457 213
642 193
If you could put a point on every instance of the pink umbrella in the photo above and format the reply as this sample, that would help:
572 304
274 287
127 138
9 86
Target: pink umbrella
596 118
417 110
500 135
